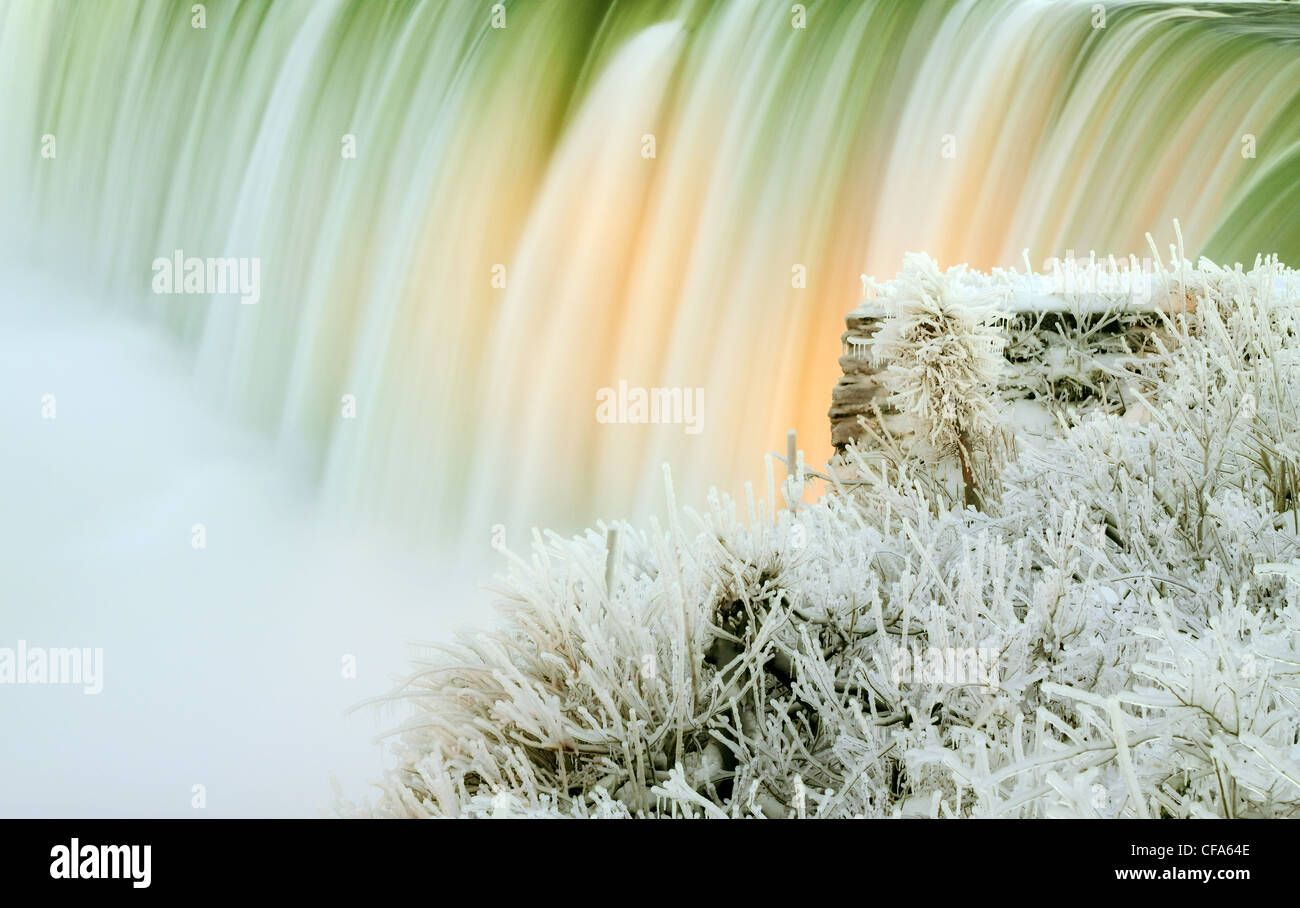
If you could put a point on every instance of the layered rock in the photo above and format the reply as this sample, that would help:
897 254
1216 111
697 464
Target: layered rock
1064 350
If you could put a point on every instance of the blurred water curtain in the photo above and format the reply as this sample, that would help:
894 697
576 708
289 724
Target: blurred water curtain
475 222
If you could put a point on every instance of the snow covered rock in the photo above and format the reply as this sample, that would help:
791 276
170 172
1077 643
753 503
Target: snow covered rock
1131 583
1066 337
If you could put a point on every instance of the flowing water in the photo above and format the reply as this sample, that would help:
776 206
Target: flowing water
970 130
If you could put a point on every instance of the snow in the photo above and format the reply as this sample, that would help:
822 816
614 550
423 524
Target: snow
1135 577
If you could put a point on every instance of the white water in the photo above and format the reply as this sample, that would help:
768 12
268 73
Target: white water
788 161
222 666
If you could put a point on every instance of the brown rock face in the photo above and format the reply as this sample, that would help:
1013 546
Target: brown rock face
1058 356
859 390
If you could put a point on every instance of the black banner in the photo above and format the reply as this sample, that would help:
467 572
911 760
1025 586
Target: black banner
562 859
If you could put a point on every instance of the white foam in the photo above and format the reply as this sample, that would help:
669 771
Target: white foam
222 666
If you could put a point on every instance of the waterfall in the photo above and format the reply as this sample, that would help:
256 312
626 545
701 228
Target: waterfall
547 199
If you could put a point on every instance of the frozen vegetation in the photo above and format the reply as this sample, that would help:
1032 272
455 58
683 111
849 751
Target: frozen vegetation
1103 621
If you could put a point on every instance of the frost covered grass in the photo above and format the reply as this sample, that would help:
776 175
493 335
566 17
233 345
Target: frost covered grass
1132 586
942 354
